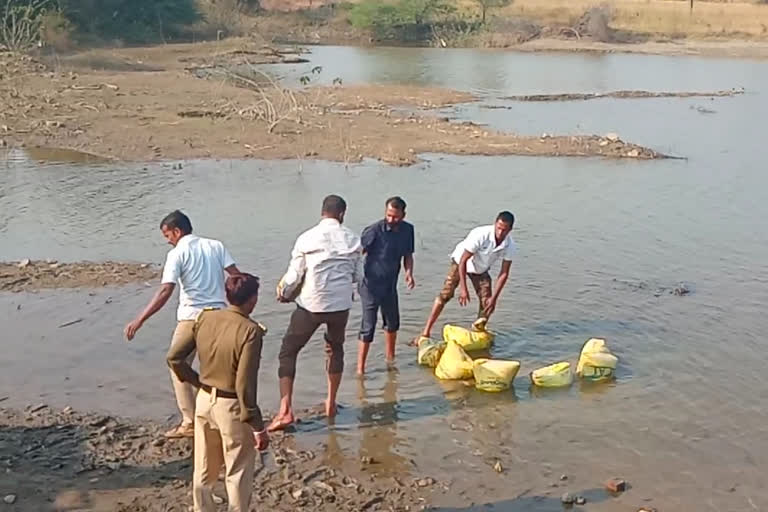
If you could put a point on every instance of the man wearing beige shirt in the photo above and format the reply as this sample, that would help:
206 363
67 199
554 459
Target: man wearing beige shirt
228 420
324 271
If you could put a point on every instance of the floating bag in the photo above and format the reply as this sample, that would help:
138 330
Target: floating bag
494 374
467 339
596 362
553 376
454 364
430 351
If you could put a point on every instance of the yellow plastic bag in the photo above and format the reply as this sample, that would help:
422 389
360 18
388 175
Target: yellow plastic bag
494 374
454 364
553 376
430 351
596 362
467 339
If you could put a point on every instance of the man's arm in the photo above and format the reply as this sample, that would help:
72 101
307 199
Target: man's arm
156 304
463 290
233 270
408 260
228 262
506 265
177 358
292 277
246 381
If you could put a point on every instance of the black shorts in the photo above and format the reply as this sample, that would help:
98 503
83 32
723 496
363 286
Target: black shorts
372 302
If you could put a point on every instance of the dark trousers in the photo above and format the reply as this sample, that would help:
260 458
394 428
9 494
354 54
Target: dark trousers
301 327
374 300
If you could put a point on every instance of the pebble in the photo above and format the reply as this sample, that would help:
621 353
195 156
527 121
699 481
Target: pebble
67 410
616 485
425 482
563 478
10 499
613 137
567 499
24 263
498 467
581 500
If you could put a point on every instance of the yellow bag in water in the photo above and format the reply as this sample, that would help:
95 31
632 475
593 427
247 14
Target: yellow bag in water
430 351
494 374
553 376
596 362
467 339
454 364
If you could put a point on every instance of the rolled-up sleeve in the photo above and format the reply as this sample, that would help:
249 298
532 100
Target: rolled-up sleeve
247 378
172 268
296 269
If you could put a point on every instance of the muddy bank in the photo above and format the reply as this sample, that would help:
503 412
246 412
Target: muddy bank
67 460
26 275
171 113
622 95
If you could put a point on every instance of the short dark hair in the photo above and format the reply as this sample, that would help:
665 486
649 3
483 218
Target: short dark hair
334 205
241 287
506 217
175 220
396 202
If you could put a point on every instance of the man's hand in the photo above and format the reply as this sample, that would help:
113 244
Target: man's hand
409 282
464 296
490 307
261 440
132 328
282 300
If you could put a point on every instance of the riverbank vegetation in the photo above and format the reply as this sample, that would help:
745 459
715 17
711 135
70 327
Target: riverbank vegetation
61 25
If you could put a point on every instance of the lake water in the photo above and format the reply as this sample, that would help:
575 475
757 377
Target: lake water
688 413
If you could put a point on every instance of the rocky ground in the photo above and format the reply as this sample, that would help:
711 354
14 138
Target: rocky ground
29 275
184 101
67 460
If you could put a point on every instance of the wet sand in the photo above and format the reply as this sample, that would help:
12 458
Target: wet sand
29 275
150 104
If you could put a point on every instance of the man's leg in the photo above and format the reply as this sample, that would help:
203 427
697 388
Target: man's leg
390 311
484 289
185 393
336 325
300 328
446 294
208 456
239 454
367 327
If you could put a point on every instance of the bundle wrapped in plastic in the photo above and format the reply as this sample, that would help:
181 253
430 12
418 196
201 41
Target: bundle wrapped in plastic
467 339
494 374
430 351
454 364
553 376
596 362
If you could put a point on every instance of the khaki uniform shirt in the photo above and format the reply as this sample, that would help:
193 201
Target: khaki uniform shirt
228 344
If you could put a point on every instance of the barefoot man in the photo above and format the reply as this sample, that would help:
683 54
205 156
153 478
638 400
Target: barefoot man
228 420
325 264
473 257
198 265
387 243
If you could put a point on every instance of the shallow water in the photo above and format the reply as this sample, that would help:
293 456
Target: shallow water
686 417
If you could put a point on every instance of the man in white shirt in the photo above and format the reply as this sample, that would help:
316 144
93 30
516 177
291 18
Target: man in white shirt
473 257
324 271
198 265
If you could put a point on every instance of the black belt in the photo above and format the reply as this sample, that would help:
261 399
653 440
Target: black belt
219 392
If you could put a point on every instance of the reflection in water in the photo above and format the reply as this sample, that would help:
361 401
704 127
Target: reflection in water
378 424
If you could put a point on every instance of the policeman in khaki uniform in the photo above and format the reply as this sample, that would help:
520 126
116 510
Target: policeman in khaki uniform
228 423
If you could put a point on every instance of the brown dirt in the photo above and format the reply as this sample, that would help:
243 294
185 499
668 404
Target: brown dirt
169 113
64 460
36 275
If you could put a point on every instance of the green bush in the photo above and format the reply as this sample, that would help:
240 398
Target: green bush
130 20
404 19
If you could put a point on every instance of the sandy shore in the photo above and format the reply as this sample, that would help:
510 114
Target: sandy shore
67 460
145 104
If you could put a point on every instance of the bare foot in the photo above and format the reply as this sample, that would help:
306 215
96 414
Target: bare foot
330 410
281 422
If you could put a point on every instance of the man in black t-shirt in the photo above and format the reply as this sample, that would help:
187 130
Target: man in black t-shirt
386 244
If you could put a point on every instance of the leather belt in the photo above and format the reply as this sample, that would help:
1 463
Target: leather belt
219 392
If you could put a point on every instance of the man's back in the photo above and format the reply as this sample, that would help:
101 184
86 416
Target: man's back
332 257
198 264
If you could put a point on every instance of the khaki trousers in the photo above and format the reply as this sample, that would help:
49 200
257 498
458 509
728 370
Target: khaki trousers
185 393
222 439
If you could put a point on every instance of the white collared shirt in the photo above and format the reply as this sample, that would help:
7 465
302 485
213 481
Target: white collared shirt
481 242
328 256
197 265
